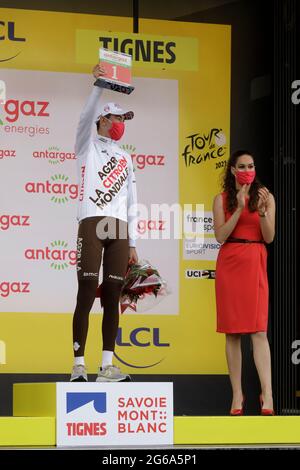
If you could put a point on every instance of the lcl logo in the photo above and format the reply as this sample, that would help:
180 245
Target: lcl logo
9 29
8 32
142 337
153 338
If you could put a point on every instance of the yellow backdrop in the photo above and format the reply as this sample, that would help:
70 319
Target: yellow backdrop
198 56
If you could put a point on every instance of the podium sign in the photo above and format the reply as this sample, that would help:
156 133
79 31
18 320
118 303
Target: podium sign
114 414
118 71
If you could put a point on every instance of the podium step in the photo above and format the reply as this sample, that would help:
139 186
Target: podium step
17 431
39 400
34 399
233 430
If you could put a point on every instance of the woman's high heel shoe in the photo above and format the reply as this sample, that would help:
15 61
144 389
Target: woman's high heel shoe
238 411
265 411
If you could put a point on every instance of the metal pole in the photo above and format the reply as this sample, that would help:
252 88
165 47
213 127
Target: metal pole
135 15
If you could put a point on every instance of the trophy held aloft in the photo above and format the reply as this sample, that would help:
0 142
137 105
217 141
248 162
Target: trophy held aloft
118 71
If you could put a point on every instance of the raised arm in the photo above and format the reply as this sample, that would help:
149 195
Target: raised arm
88 115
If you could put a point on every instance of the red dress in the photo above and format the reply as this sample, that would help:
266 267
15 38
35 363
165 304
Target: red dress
242 291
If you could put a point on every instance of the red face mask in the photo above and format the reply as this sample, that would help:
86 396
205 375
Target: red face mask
245 177
117 130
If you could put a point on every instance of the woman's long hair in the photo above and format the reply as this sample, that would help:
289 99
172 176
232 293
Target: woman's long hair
229 184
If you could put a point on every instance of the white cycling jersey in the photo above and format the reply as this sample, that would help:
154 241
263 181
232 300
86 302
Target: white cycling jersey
107 185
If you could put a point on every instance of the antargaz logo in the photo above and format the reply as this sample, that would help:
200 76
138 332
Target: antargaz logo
128 148
58 244
53 155
61 258
58 187
54 150
59 178
16 109
8 288
141 160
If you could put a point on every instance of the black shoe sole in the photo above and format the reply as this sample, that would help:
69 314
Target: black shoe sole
128 379
80 379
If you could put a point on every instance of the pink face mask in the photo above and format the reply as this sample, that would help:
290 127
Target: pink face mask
117 130
245 177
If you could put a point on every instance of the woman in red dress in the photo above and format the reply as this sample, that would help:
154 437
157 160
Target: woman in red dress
244 218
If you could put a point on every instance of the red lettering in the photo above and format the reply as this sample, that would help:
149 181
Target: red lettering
86 429
28 108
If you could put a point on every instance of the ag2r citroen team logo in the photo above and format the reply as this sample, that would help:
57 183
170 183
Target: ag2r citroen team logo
8 33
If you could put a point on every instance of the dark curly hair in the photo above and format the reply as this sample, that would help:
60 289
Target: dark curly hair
228 184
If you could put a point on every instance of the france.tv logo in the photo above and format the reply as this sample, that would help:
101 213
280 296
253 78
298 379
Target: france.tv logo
76 400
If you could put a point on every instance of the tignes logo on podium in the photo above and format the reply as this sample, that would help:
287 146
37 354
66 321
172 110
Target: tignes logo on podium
76 400
113 414
118 71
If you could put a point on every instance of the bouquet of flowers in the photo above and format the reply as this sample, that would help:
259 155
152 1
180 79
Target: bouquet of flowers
143 287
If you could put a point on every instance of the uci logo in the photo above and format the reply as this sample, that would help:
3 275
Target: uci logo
142 337
8 32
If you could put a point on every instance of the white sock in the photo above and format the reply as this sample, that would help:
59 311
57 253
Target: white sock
79 360
107 357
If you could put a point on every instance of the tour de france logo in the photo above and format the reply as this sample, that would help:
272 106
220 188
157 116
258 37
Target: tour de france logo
204 147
